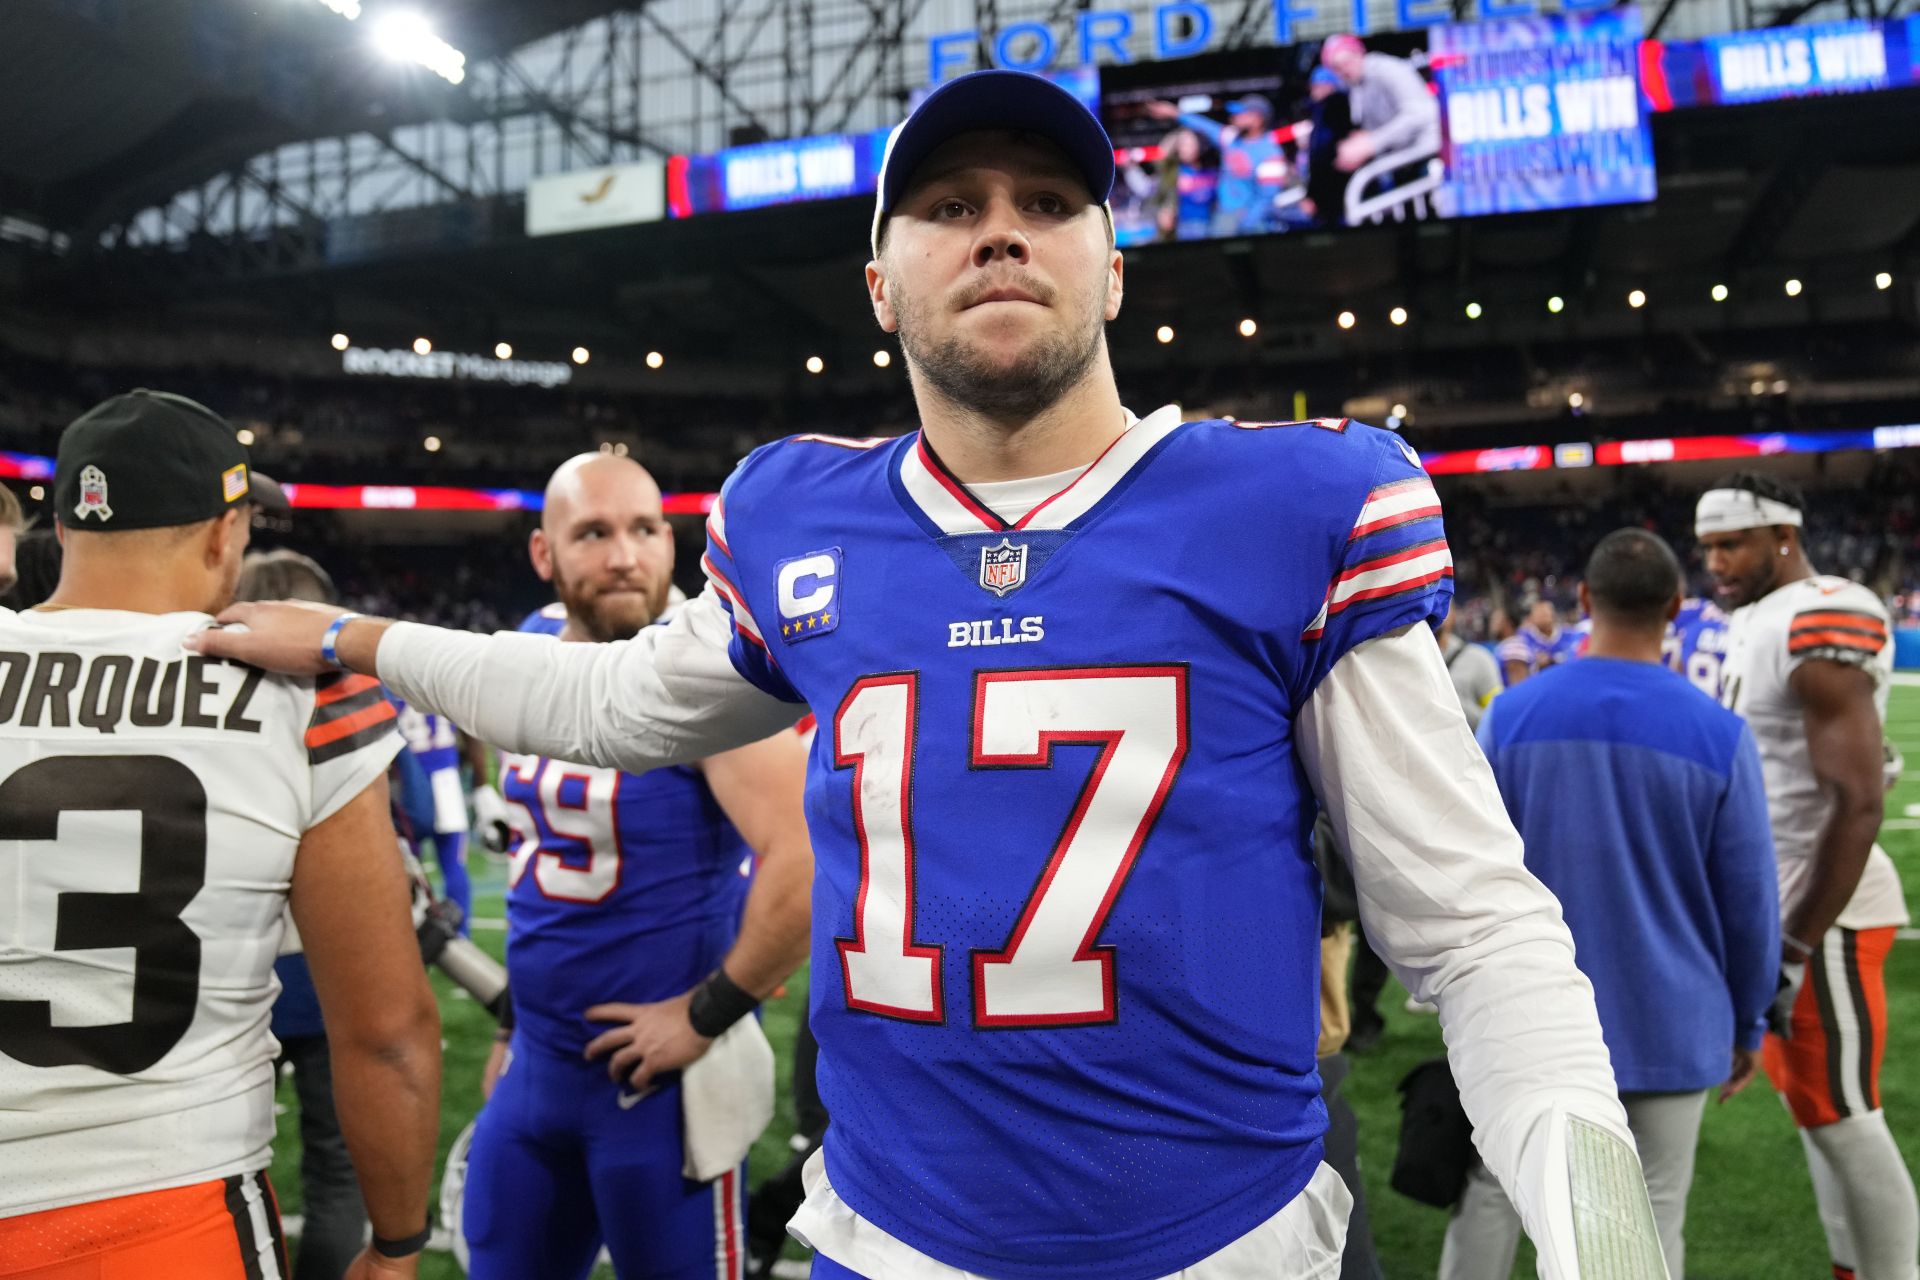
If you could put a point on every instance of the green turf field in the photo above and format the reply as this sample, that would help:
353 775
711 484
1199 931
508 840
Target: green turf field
1751 1216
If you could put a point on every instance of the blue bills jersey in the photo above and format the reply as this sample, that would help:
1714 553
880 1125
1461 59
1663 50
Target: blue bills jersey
1696 644
1066 916
621 886
548 620
1537 650
432 739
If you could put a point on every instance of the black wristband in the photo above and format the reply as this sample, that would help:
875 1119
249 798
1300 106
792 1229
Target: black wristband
403 1248
717 1004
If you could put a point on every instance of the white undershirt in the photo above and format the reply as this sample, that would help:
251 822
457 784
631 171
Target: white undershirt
1012 499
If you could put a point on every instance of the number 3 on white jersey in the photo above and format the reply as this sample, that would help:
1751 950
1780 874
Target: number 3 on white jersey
1050 973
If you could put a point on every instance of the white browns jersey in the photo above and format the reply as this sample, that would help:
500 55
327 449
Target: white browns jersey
1819 618
151 802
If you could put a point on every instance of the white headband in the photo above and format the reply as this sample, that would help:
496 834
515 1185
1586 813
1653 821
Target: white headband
1731 510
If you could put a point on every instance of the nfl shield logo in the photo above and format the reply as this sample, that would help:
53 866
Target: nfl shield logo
93 495
1004 567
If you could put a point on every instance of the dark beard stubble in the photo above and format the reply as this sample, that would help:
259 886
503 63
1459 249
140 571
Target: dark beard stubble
1033 383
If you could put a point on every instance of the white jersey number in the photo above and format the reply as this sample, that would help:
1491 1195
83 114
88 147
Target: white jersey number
1050 973
556 820
172 809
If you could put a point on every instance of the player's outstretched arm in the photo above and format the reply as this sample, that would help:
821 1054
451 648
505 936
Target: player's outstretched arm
1844 742
1447 901
350 900
670 695
761 790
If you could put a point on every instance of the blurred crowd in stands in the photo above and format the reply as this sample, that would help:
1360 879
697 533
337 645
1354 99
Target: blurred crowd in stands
1511 546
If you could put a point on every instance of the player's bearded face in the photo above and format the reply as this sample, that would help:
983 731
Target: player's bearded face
1000 287
609 604
614 582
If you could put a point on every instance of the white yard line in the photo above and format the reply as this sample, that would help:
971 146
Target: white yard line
1907 679
1901 824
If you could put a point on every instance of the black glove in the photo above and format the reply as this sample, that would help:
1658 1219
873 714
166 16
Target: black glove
1780 1013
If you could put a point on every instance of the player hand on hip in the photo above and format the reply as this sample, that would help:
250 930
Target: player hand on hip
655 1038
280 635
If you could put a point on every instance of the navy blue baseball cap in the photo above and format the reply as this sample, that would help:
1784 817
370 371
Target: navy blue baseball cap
994 100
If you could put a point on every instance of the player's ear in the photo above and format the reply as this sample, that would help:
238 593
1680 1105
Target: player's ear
227 536
1586 599
1116 283
877 295
1673 606
541 553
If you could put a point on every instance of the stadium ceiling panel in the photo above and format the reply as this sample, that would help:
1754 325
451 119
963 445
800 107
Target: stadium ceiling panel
109 103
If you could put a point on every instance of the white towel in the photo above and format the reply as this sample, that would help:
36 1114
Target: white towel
726 1100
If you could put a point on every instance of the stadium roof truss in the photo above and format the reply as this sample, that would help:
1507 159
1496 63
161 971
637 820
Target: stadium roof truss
203 139
275 120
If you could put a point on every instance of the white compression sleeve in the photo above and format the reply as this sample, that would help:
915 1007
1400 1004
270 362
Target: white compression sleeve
670 695
1448 903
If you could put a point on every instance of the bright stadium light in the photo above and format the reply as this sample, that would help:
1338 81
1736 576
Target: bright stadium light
1473 311
431 444
1400 411
816 365
244 435
1556 304
1637 299
1164 334
1719 293
1793 288
422 347
1346 320
1398 315
1757 387
405 36
580 355
1248 328
348 9
1883 280
1575 400
38 493
882 358
655 359
503 350
340 342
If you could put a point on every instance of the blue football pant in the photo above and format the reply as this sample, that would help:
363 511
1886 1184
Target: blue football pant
558 1168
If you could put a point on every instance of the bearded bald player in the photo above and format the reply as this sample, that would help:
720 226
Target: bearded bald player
1083 681
625 897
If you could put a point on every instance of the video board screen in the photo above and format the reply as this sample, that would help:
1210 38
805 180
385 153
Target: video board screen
1764 65
1491 117
767 173
824 167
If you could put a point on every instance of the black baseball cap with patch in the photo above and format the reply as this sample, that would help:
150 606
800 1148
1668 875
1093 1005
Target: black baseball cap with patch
147 460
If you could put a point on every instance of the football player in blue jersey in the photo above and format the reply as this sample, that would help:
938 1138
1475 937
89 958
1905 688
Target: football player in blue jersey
1539 643
625 893
438 747
1083 681
1696 644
